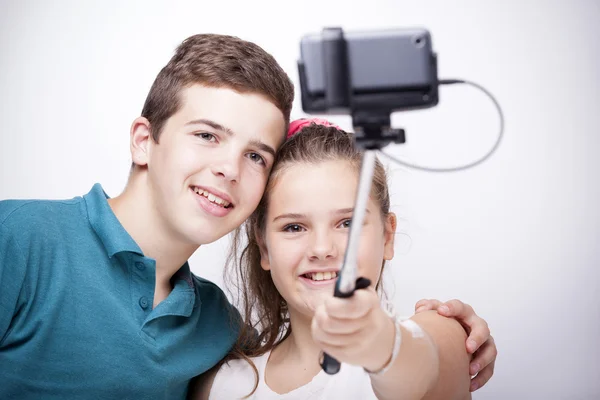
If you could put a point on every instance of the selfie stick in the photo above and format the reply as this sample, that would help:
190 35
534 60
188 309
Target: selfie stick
371 124
347 281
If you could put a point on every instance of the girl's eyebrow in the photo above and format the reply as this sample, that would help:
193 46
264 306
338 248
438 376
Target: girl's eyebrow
289 216
347 210
301 216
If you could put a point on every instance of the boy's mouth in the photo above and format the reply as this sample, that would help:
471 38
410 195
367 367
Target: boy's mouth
212 198
320 276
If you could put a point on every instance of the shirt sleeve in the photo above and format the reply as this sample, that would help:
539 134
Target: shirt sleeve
12 275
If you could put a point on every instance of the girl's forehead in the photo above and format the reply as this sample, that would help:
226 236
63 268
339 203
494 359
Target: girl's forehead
315 189
304 178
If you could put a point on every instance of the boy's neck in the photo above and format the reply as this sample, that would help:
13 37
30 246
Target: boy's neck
135 211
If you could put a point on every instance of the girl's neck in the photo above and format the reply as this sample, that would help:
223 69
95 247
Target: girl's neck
295 361
300 344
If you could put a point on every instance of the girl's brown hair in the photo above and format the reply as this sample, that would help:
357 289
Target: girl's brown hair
266 319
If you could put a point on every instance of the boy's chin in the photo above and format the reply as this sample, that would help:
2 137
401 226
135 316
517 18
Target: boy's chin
203 237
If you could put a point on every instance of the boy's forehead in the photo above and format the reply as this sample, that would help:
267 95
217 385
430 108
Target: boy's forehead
249 114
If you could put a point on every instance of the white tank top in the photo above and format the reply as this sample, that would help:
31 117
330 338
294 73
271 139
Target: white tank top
236 379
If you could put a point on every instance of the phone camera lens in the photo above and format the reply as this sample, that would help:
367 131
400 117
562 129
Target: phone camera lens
419 41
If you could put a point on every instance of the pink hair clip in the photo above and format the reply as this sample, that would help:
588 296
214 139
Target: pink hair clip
297 125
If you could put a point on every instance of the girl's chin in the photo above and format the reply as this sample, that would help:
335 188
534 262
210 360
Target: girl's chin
308 306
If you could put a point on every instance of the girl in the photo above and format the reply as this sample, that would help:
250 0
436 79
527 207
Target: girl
296 244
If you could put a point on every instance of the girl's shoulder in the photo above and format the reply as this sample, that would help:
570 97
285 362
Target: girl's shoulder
352 382
237 378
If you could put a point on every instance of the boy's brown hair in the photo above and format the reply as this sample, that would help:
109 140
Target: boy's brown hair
217 61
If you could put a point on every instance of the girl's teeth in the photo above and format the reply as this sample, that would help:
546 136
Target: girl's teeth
323 276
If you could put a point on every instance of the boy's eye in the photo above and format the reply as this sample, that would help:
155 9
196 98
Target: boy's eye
209 137
257 158
293 228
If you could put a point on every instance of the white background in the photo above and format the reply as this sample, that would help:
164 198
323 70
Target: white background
517 237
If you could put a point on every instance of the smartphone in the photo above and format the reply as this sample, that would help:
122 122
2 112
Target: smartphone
378 61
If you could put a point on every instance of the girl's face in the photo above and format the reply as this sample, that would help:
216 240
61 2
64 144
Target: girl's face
306 232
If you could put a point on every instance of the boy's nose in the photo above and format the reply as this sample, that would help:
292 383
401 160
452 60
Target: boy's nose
227 169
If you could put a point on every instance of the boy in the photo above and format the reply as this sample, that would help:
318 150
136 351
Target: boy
97 299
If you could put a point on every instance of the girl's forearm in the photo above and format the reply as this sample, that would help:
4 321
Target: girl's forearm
432 361
414 371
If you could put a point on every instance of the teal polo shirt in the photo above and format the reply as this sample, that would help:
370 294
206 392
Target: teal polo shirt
76 317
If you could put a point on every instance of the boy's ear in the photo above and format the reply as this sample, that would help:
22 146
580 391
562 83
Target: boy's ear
389 236
140 137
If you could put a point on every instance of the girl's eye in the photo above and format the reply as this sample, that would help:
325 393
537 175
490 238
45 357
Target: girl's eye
293 228
257 158
346 223
209 137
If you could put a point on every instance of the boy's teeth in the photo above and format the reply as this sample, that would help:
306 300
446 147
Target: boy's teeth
212 198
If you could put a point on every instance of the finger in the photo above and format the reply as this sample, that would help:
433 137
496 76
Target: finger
482 377
457 309
354 307
335 351
335 325
426 305
321 336
476 327
328 341
479 335
485 356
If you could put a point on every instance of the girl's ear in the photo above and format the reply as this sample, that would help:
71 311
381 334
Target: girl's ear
264 254
389 236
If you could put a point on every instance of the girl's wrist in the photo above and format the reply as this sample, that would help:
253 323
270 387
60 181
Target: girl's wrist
393 327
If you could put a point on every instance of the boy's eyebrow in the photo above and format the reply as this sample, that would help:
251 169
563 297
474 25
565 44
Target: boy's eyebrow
263 146
212 124
216 126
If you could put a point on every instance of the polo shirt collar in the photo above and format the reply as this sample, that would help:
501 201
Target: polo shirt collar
103 220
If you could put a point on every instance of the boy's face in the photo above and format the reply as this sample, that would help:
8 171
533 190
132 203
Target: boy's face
209 170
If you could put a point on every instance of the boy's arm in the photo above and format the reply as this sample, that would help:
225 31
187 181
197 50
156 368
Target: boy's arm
12 275
432 362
